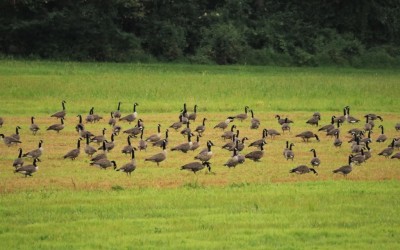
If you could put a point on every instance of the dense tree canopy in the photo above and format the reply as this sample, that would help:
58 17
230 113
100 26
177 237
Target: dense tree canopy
284 32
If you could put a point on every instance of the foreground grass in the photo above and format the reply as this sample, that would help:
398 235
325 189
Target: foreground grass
320 215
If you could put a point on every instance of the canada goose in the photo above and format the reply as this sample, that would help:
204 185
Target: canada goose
205 154
359 158
129 167
104 163
157 158
396 156
285 126
193 115
186 130
272 133
177 125
117 113
80 124
240 144
135 130
128 148
230 145
337 142
99 138
201 128
282 121
367 153
1 121
341 118
160 142
184 116
90 118
142 143
366 139
303 169
313 121
288 153
254 123
116 129
223 125
356 131
397 127
36 153
382 137
102 155
286 148
329 126
368 125
8 140
19 162
356 148
74 152
351 119
389 150
256 155
184 147
315 161
33 127
109 144
89 150
195 144
155 137
373 117
112 120
242 117
29 169
261 141
57 127
233 161
306 135
334 130
196 166
62 113
228 134
131 117
96 117
346 169
83 133
16 135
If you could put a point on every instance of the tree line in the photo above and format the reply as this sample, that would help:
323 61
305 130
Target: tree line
260 32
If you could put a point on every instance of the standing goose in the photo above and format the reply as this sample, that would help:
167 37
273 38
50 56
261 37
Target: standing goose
19 162
285 126
359 158
282 121
332 132
233 161
303 169
60 114
129 167
286 148
205 154
74 152
117 113
356 148
8 140
33 127
272 133
341 118
368 125
337 142
367 153
104 163
184 147
112 120
16 135
80 124
223 125
313 120
89 150
90 118
396 156
157 158
99 138
243 116
142 143
193 116
57 127
29 169
131 117
255 123
389 150
155 137
186 130
177 125
329 127
96 117
184 115
240 144
128 148
196 166
102 155
82 132
36 153
288 153
351 119
367 139
315 161
261 141
256 155
230 145
109 144
135 130
201 128
228 134
382 137
195 144
160 142
116 129
346 169
306 135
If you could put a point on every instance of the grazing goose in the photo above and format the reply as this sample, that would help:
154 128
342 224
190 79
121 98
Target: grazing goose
313 120
90 118
109 144
242 117
33 127
332 132
57 127
1 121
397 127
16 135
282 121
255 123
346 169
272 133
396 156
233 161
303 169
337 142
315 161
19 162
201 128
155 137
184 147
112 120
356 132
205 154
157 158
177 125
104 163
306 135
117 113
389 150
351 119
382 137
89 150
195 144
28 169
102 155
261 141
373 117
196 166
160 142
186 130
285 126
129 167
136 130
99 138
142 143
193 116
329 127
131 117
228 134
223 125
359 158
128 148
36 153
256 155
83 133
288 152
341 118
60 114
74 152
8 140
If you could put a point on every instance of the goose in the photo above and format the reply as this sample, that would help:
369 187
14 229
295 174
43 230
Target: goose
228 134
261 141
128 148
272 133
346 169
233 161
116 129
366 139
96 117
368 125
160 142
184 115
397 127
112 120
286 148
356 131
36 153
99 138
177 125
205 154
129 167
396 156
195 144
157 158
117 113
255 123
104 163
315 161
57 127
223 125
313 120
33 127
102 155
359 158
186 130
303 169
341 118
397 143
135 130
28 169
196 166
90 118
19 162
389 150
142 143
288 153
242 117
285 126
201 128
1 121
192 116
89 150
337 142
306 135
109 144
282 121
382 137
8 140
373 117
74 152
16 135
240 144
60 114
334 130
351 119
184 147
83 133
329 126
80 124
356 148
256 155
367 153
131 117
155 137
230 145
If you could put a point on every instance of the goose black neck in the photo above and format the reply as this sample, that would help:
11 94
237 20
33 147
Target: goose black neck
32 119
79 144
129 140
20 153
63 105
133 154
87 139
315 153
119 106
204 121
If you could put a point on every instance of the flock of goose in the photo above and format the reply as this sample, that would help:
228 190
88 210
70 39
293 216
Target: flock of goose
360 150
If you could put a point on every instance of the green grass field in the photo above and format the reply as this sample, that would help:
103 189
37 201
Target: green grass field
70 205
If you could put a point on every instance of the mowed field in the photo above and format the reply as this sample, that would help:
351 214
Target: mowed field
70 204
